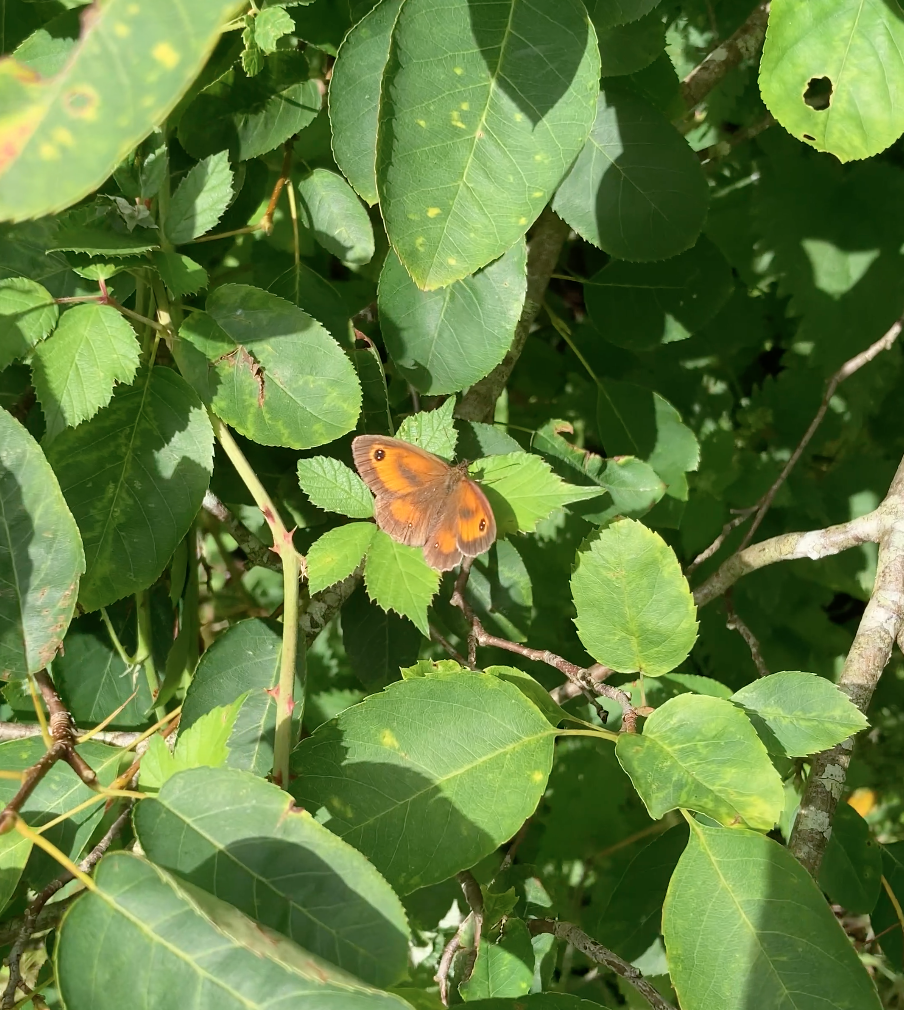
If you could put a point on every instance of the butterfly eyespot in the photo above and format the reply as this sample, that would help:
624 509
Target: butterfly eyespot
483 525
379 455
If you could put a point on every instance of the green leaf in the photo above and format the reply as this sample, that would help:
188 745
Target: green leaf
249 116
64 135
510 111
885 920
443 341
28 314
627 48
430 775
643 305
635 609
199 946
376 415
433 430
805 713
99 230
530 688
500 591
851 869
243 662
270 25
539 1001
630 916
355 96
743 917
317 296
204 744
47 49
636 190
240 839
398 578
134 477
74 372
269 370
522 490
328 207
59 792
336 554
702 754
334 487
606 13
378 644
859 50
200 199
179 273
504 967
41 555
95 681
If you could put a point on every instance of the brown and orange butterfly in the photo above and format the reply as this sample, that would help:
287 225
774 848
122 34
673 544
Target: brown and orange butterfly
424 502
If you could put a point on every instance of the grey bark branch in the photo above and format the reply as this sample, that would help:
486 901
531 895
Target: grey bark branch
602 955
743 45
882 623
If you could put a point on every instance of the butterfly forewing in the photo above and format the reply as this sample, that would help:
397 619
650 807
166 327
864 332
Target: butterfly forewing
394 467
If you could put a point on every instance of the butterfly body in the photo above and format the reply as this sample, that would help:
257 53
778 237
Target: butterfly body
424 502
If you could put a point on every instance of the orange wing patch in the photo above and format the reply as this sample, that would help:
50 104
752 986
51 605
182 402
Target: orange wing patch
476 524
441 549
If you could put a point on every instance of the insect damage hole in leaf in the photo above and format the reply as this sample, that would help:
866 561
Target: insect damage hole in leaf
818 94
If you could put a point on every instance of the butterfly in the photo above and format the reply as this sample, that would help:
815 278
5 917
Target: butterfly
424 502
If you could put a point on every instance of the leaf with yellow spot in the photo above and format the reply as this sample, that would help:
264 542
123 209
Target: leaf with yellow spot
132 63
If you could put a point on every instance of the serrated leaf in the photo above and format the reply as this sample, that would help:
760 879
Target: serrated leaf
270 25
337 554
743 916
41 555
504 967
635 611
134 477
98 230
606 13
643 305
433 430
268 369
523 490
64 135
702 754
378 644
805 713
444 341
376 414
510 110
250 115
28 314
329 209
398 578
334 487
355 96
200 199
244 661
628 48
500 591
179 273
636 190
74 372
284 869
317 296
858 49
428 776
203 744
851 869
197 944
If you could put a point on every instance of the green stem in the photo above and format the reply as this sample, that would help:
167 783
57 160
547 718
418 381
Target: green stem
143 652
282 544
114 638
606 734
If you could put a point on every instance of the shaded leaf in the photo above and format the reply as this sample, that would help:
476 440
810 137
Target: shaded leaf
504 967
378 644
398 578
28 313
851 869
329 209
200 199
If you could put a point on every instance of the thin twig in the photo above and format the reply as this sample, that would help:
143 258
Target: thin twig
266 222
447 646
734 623
444 967
720 539
474 897
583 677
722 148
24 730
602 955
845 372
